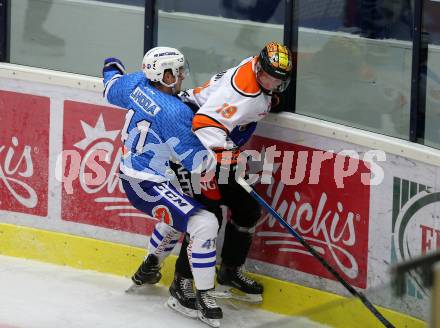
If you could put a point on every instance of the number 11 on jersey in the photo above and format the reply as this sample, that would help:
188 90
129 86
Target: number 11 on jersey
142 128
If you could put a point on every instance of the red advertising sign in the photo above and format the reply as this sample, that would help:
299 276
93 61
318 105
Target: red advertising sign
92 192
324 197
24 153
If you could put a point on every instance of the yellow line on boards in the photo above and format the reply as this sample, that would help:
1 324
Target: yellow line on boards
279 296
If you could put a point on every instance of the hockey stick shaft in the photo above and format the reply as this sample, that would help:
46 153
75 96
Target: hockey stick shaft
309 248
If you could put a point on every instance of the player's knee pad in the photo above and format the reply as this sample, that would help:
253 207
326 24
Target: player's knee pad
162 240
246 230
237 243
203 229
238 235
202 256
217 211
203 225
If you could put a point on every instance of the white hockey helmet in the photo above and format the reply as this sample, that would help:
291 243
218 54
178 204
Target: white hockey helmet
159 59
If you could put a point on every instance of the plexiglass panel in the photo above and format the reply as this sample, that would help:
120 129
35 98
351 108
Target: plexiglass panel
76 35
354 64
431 28
216 35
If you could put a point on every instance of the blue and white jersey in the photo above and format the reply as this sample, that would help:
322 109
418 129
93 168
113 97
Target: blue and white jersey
157 128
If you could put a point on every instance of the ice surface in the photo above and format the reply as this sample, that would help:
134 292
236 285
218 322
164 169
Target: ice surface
35 294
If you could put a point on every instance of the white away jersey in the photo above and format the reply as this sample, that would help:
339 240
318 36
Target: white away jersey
228 99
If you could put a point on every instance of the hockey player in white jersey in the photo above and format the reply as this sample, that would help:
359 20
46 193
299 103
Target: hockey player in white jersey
157 128
227 109
242 95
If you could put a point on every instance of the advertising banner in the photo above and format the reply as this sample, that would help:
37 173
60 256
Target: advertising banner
92 192
59 160
415 228
24 153
326 206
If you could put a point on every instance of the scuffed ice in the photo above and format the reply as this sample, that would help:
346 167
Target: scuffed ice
39 295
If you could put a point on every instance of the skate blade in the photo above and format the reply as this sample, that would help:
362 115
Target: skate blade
144 289
174 304
221 293
244 297
211 322
227 292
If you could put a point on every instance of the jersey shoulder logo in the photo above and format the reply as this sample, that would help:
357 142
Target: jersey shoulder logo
144 102
244 82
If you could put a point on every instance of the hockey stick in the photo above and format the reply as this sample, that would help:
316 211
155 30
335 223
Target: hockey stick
329 268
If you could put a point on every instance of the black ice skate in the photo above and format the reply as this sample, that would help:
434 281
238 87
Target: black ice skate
148 273
243 288
183 298
208 310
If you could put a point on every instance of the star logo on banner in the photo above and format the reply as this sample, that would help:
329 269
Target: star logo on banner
93 133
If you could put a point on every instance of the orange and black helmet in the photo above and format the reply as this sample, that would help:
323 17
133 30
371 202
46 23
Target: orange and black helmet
277 60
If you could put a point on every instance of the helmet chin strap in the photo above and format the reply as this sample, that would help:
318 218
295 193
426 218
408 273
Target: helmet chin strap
268 92
171 85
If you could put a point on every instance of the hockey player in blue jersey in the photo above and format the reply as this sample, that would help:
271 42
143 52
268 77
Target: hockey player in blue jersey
266 75
157 129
